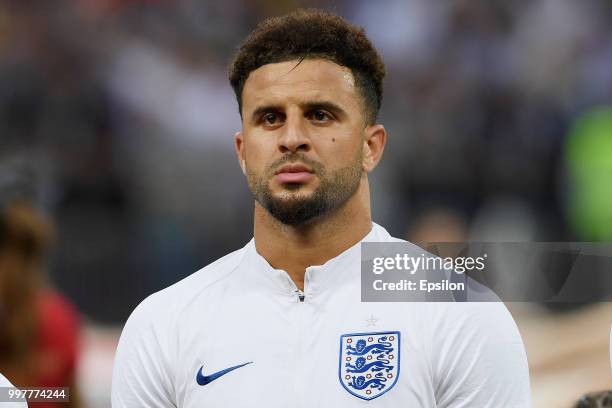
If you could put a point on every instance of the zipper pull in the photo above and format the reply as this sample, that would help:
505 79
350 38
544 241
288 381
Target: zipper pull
300 294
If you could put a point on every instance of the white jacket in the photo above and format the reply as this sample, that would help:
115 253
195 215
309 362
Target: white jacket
238 327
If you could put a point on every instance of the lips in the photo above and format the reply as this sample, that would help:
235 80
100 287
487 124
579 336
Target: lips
293 173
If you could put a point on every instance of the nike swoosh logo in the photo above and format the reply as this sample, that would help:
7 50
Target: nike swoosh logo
205 379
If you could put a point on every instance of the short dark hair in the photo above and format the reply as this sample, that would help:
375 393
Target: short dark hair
311 33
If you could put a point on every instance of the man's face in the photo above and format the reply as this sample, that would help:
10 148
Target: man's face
303 138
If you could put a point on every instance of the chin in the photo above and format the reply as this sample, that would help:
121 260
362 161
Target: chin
289 198
293 189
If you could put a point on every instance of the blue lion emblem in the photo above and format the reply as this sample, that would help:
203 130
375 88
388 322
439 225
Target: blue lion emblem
360 383
360 366
369 363
361 348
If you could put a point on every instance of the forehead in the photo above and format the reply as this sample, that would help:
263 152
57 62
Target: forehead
311 79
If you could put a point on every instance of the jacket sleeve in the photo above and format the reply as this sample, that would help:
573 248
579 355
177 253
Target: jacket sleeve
142 374
478 359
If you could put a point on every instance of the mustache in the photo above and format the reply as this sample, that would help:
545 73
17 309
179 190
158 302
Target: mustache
293 158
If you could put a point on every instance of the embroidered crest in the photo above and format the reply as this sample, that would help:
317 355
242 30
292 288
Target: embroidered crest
369 363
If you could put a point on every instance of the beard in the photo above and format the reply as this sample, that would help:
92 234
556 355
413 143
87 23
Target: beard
294 208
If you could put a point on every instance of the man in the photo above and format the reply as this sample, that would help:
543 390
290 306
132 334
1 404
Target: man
279 323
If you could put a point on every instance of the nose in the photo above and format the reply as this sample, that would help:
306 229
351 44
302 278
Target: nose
294 135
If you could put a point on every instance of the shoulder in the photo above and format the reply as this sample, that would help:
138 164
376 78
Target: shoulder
472 321
154 320
169 302
144 370
477 355
380 234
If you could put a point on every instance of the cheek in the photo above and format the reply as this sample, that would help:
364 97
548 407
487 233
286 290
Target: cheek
258 157
340 150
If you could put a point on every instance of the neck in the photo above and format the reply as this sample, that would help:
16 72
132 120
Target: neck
294 248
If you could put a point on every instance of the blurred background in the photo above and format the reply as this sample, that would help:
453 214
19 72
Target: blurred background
118 175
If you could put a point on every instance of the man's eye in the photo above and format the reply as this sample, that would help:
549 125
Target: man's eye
320 116
271 118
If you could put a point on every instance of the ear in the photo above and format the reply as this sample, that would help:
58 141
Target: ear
239 145
373 146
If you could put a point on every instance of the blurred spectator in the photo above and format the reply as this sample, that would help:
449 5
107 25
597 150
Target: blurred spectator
39 328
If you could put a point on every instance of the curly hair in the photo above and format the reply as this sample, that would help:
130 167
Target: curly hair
309 34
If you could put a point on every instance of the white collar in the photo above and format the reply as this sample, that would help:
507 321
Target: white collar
317 278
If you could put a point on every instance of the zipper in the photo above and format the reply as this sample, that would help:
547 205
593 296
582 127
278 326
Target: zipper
299 375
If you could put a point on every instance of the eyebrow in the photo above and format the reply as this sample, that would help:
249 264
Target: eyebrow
325 105
308 106
263 109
